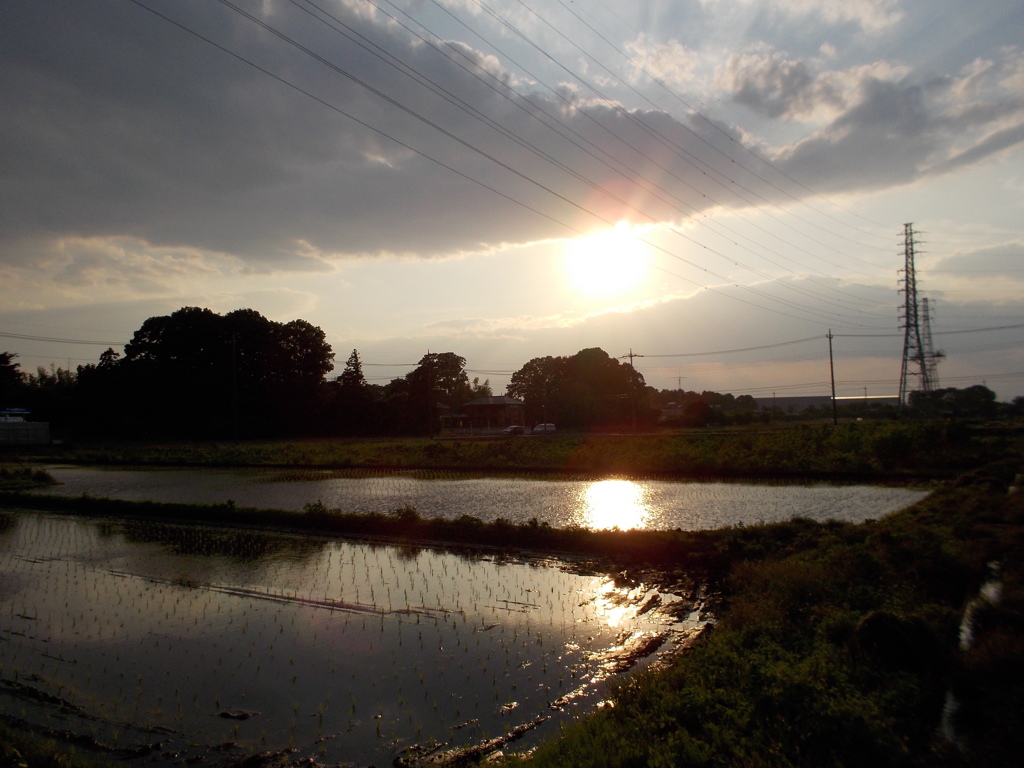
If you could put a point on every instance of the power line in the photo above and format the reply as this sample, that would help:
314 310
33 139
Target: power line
390 100
557 92
934 333
742 349
27 337
436 88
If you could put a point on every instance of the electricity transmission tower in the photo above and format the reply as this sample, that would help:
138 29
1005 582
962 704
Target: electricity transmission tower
931 357
918 357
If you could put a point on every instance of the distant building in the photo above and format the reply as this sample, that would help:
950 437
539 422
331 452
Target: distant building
800 404
486 415
15 429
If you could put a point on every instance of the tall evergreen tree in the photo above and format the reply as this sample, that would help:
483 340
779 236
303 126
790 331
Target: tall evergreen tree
352 376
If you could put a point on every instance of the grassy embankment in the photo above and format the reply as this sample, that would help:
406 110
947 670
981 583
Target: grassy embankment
836 643
878 451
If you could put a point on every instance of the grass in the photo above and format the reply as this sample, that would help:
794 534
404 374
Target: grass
16 478
876 450
837 647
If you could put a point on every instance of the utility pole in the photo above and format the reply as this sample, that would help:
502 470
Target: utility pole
632 394
832 372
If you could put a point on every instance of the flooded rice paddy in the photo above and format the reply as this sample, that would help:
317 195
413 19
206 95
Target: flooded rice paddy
180 645
591 503
196 645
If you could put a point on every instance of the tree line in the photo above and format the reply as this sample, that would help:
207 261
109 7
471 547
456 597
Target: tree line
196 374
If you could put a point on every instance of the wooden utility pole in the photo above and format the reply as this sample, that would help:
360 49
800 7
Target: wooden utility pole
832 371
632 394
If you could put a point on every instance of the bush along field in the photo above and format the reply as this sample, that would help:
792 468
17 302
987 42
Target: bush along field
843 645
871 450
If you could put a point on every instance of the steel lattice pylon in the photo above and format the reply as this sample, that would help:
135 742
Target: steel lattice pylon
918 359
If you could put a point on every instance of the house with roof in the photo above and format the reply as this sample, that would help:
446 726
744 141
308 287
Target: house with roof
486 415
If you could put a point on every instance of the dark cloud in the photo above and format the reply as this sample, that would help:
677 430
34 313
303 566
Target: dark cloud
1005 261
776 87
996 142
119 124
887 138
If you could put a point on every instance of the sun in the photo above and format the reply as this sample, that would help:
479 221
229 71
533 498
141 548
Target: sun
608 263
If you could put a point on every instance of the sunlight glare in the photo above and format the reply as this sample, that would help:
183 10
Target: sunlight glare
614 504
613 604
607 263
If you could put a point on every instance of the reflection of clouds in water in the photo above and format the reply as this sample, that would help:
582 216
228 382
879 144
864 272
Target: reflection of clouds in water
613 504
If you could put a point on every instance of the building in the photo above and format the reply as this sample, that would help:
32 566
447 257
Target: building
486 415
15 430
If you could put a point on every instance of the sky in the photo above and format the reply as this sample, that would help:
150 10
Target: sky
711 186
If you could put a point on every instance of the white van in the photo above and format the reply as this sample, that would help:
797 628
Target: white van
542 429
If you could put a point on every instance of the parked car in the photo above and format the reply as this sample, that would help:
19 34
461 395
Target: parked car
515 429
542 429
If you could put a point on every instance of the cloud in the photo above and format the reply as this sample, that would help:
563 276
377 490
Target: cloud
1004 261
895 130
121 128
793 89
670 61
870 15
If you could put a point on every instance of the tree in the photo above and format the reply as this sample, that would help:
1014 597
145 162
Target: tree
536 381
51 394
974 402
437 383
352 376
442 375
11 379
199 373
585 391
303 356
353 407
481 390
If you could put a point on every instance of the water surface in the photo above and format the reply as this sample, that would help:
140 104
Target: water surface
186 638
592 503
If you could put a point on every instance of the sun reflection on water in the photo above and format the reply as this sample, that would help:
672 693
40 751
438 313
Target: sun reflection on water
613 604
614 504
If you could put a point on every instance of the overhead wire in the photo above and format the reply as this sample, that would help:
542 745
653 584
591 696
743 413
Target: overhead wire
29 337
462 142
658 135
491 188
576 11
700 218
696 215
405 69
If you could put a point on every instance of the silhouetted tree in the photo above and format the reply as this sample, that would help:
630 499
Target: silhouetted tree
51 395
586 391
352 376
976 402
353 406
198 373
101 397
439 382
11 380
481 390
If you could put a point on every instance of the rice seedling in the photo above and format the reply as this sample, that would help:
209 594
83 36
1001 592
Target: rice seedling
250 627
